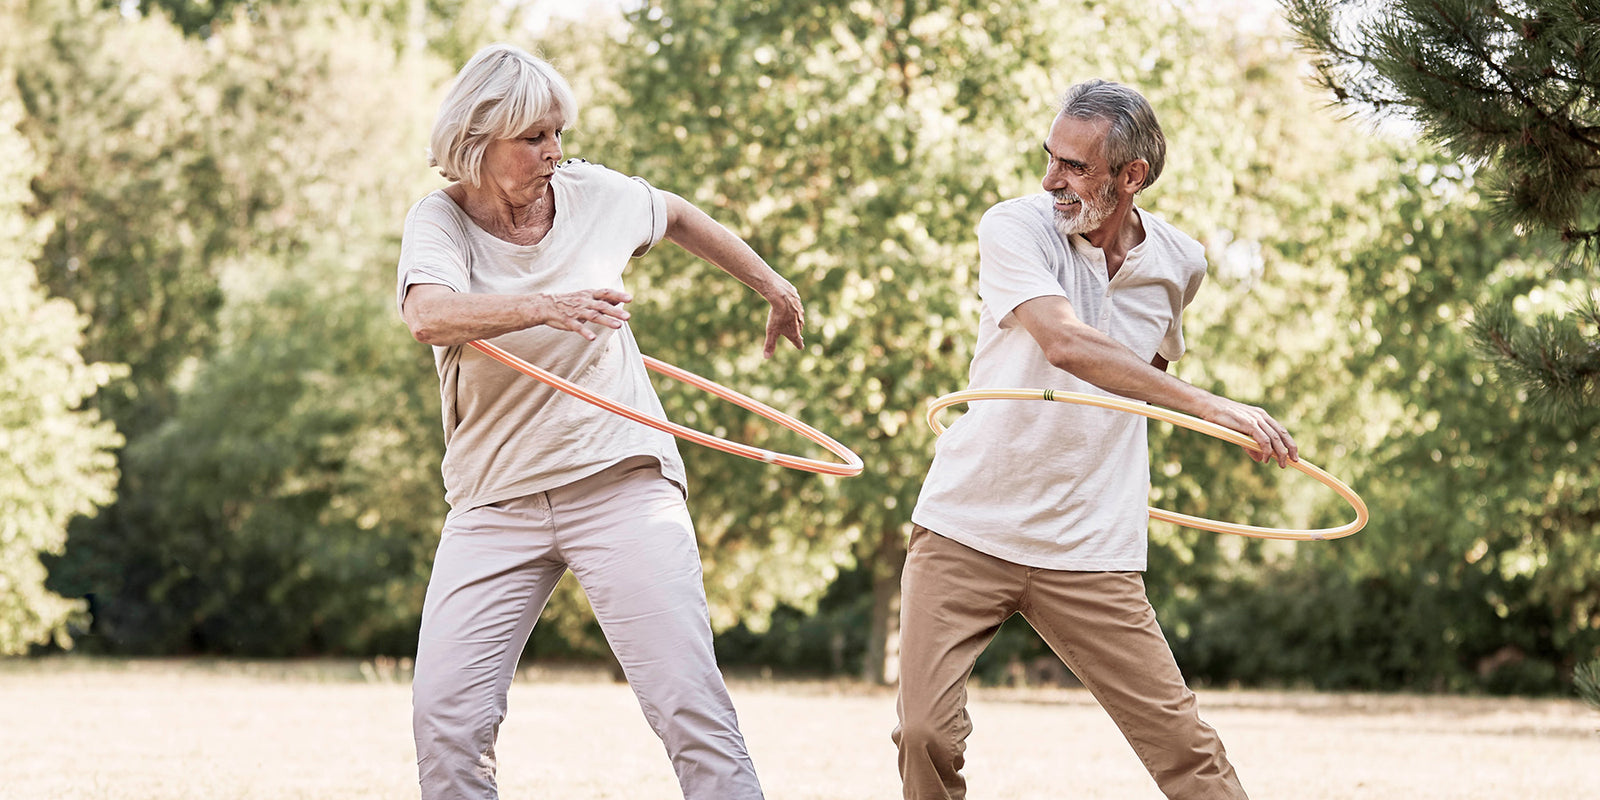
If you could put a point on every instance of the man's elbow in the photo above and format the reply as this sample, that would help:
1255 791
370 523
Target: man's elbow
1067 352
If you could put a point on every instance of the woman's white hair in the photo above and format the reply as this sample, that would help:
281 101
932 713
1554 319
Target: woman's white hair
500 93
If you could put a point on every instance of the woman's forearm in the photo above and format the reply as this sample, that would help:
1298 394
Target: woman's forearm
440 316
695 231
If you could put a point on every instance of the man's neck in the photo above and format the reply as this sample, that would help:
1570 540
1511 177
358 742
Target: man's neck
1122 232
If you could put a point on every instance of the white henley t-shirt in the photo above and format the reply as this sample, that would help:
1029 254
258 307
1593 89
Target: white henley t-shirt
1055 485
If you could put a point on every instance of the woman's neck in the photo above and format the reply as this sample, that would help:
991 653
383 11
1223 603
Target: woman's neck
517 224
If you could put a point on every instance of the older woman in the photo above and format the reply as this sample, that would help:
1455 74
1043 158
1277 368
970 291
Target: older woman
530 252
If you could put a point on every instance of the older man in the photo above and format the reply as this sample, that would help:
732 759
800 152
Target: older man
1040 508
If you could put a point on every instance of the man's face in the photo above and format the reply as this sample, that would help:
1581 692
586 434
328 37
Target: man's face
1079 175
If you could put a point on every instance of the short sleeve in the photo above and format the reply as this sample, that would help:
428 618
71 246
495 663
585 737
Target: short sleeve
1014 263
1172 345
432 250
658 217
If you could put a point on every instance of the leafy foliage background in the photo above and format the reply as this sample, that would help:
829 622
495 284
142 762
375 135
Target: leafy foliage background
216 208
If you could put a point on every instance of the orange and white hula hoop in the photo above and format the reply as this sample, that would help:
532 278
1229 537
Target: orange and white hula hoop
852 462
1185 421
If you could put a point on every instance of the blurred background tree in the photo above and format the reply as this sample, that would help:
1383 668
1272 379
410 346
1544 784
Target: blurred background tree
58 456
1515 88
854 145
259 200
222 204
452 29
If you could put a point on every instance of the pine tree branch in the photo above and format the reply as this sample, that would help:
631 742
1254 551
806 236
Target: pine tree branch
1564 124
1575 80
1587 680
1553 358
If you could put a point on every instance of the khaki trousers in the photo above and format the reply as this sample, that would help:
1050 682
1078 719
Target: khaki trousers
953 600
625 533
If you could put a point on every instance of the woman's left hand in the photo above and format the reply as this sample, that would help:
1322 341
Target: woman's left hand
695 231
787 318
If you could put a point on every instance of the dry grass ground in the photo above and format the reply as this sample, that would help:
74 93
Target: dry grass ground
73 729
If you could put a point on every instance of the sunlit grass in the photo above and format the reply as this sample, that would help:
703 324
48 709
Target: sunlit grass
175 730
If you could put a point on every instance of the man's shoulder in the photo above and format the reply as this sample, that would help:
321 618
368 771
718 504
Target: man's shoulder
1029 212
1028 206
1168 237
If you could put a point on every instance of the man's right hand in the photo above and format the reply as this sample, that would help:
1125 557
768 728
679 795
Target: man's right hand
1272 439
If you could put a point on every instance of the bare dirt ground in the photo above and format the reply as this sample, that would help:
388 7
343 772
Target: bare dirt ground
78 729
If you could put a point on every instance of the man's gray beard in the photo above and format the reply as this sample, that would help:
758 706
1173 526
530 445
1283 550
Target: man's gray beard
1091 215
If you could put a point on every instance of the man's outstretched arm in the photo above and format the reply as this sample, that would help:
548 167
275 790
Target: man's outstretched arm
1079 348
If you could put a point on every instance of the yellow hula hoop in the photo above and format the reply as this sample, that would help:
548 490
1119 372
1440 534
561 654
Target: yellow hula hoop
1185 421
852 463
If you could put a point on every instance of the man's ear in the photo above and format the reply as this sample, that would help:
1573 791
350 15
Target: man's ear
1133 175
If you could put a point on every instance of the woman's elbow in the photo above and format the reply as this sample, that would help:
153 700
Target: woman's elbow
425 332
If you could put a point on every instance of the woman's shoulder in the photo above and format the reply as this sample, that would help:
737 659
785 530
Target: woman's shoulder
437 211
435 205
591 178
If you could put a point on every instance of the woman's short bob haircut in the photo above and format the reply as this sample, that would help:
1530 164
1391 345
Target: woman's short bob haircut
499 94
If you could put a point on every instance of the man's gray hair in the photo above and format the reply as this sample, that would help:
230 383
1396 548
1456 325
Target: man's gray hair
501 92
1134 133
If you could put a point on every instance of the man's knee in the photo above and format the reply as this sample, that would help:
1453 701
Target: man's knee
925 739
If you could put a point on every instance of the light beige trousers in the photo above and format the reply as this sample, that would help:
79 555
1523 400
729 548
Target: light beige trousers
625 533
953 600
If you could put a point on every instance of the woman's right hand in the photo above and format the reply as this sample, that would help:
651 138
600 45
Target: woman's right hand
572 311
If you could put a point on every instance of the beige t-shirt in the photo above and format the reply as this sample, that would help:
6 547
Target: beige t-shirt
506 434
1053 485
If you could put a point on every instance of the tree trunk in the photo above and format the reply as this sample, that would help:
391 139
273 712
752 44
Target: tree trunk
882 664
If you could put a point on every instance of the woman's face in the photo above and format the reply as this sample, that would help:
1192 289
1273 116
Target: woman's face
518 170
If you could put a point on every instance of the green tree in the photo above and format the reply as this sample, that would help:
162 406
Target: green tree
139 207
1514 87
1588 680
295 488
857 145
296 484
452 29
840 140
281 499
1475 571
58 458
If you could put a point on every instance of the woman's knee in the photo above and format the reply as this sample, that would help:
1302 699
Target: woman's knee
453 704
